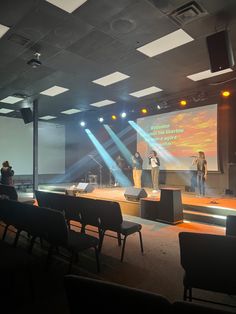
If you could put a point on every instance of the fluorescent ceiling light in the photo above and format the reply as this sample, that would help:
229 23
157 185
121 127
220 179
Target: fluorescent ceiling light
166 43
102 103
146 91
206 74
47 117
111 79
3 30
67 5
53 91
71 111
4 110
11 99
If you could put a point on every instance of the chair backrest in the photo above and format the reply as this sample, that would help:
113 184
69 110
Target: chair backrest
110 215
230 225
111 297
9 191
209 261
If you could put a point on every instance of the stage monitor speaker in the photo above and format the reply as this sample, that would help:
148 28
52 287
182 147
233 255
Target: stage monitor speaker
134 194
220 51
27 115
83 187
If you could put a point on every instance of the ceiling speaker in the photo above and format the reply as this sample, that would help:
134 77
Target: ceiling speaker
27 115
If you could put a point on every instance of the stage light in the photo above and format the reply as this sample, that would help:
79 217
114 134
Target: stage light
123 115
183 102
114 117
82 123
100 119
158 107
225 93
144 110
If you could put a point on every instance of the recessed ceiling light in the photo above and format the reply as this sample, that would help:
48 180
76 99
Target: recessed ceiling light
165 43
47 117
11 99
206 74
3 30
68 5
71 111
111 79
103 103
5 111
146 91
53 91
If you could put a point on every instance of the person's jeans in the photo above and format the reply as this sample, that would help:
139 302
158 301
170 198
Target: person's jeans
201 182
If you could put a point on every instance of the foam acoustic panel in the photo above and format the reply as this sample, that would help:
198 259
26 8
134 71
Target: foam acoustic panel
134 194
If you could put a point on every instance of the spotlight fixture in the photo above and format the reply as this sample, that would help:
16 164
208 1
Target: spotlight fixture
144 110
114 117
183 102
35 62
225 93
158 107
101 119
123 115
82 123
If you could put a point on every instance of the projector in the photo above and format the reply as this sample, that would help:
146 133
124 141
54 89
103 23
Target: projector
35 62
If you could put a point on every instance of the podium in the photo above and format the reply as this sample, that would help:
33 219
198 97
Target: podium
168 210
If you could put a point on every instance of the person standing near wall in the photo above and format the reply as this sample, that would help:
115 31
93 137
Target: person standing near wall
7 173
137 164
154 161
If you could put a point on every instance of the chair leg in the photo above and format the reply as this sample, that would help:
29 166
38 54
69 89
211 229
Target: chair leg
97 258
185 294
5 232
190 294
141 240
16 238
119 238
123 249
101 237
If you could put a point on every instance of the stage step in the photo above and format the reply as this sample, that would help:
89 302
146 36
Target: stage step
193 215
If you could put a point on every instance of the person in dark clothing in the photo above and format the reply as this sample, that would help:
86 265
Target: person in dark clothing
137 164
7 173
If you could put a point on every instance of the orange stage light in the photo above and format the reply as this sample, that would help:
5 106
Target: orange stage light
183 102
144 110
114 117
225 93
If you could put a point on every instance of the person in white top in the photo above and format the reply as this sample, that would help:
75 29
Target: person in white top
155 164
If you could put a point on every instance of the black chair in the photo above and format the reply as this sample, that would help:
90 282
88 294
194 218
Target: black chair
209 263
109 297
111 219
9 191
230 229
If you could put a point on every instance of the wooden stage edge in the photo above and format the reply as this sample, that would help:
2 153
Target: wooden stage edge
189 200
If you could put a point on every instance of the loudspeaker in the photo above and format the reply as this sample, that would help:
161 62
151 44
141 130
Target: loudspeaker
9 191
84 187
220 51
134 194
27 115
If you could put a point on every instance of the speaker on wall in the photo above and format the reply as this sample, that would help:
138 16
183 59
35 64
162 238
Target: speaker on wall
27 115
134 194
83 187
220 51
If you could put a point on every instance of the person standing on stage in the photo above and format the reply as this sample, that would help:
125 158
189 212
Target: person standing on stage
137 164
201 164
7 173
155 164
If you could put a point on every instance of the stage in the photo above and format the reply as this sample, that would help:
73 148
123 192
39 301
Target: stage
209 209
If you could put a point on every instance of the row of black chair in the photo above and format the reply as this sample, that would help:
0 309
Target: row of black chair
102 214
116 298
48 225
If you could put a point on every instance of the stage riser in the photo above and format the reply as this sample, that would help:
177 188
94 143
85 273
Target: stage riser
204 219
210 210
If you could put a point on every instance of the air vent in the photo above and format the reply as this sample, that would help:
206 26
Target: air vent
188 12
18 39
